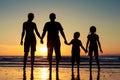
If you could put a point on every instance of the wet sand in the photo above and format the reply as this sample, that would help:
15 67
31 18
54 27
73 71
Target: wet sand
41 73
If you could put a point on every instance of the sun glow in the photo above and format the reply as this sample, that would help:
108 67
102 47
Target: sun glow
41 50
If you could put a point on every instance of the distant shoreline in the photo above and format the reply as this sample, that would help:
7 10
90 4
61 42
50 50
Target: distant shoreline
41 61
54 56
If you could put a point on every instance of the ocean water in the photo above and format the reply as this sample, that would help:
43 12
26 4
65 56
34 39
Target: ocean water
65 62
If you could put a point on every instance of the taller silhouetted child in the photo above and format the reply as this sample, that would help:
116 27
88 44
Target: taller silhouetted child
93 42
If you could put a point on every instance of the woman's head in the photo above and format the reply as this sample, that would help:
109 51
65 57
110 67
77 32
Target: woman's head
30 16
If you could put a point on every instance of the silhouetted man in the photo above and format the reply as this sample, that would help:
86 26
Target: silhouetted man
30 40
53 42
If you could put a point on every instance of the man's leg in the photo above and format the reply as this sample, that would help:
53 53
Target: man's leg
49 57
58 56
32 59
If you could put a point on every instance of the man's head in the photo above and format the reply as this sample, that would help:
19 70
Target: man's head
30 16
52 16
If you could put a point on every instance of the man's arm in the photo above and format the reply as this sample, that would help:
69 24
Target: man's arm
87 45
43 35
63 35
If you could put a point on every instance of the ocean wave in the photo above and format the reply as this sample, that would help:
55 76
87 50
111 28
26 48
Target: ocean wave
105 61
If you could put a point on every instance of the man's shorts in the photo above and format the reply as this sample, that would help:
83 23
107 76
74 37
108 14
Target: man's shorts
55 47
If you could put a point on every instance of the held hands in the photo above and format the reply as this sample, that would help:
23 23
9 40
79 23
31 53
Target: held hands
65 42
86 51
101 51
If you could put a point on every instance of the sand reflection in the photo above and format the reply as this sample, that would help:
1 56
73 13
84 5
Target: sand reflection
44 72
40 73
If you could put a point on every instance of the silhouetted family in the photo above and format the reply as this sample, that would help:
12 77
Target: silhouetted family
53 28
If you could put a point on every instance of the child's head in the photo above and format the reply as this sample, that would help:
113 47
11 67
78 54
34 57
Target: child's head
92 29
76 35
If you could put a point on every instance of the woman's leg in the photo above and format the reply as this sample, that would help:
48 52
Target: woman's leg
90 60
25 59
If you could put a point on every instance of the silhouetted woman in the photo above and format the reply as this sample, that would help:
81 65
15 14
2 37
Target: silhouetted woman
30 40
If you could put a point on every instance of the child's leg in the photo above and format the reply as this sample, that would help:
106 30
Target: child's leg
90 57
78 61
57 65
96 57
90 60
97 61
90 75
73 67
72 70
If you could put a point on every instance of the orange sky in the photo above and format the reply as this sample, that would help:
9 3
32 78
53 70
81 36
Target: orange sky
73 15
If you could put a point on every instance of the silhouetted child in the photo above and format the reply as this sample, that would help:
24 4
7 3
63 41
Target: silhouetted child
93 42
76 44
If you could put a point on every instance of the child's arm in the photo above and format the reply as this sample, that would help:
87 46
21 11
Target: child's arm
67 43
100 46
83 48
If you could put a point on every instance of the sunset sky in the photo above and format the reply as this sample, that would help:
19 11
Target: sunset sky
74 15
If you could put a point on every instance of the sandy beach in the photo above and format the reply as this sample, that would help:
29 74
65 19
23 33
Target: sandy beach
41 73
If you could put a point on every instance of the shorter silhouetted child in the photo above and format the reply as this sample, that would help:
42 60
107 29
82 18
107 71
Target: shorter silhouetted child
93 42
76 44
